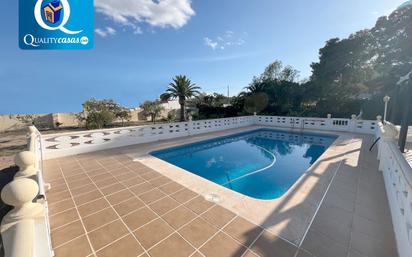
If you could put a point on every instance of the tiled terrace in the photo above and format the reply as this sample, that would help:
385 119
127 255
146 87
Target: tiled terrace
104 204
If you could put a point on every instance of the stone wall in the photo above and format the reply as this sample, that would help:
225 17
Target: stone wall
67 119
17 122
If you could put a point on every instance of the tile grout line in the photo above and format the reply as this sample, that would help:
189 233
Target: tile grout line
217 232
78 213
180 204
175 231
246 218
198 215
319 205
120 218
236 215
121 182
253 242
353 216
71 222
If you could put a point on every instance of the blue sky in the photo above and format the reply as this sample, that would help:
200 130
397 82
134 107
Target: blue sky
141 44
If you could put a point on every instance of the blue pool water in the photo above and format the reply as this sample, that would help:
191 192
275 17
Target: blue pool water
262 164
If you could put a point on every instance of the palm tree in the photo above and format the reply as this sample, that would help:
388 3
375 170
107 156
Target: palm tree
182 89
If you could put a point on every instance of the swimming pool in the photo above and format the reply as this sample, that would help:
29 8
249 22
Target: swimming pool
262 163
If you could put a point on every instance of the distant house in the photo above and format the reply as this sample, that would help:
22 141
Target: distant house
52 11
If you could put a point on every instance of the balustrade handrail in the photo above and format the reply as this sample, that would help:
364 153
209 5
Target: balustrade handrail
397 174
406 169
400 159
73 133
26 231
70 143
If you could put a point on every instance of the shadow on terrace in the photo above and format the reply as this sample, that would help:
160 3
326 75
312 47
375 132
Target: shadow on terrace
352 220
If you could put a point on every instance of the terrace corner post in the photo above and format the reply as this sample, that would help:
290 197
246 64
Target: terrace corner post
407 102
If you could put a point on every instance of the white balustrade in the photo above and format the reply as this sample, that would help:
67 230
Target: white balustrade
25 229
397 174
65 144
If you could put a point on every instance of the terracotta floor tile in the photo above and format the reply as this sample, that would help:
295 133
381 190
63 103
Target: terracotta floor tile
127 176
58 196
243 231
224 246
174 244
121 171
99 219
153 232
63 218
160 181
197 254
116 187
184 195
79 183
179 217
164 205
67 233
113 165
128 206
370 246
138 218
106 182
60 206
106 162
101 176
98 172
57 188
76 177
268 244
250 254
141 188
82 190
171 188
88 197
119 197
133 181
218 216
323 246
92 207
151 196
77 248
199 204
125 247
197 232
70 170
149 175
68 173
58 182
107 234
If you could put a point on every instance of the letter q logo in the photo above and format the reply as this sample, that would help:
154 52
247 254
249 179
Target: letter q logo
66 16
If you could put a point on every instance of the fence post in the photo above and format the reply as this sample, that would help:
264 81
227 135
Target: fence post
26 162
18 226
353 122
388 133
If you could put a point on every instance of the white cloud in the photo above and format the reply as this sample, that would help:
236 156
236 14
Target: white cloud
210 43
104 32
156 13
221 42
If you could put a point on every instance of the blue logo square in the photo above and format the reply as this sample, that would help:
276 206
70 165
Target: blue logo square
56 24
